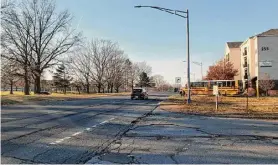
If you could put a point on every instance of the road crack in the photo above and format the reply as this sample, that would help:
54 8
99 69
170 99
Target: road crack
104 148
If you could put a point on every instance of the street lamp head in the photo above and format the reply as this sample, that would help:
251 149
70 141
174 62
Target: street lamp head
137 6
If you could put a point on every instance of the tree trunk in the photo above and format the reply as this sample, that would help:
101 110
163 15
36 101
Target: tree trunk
98 88
102 90
65 90
108 87
132 82
26 82
88 88
37 84
78 90
111 88
16 88
11 90
87 85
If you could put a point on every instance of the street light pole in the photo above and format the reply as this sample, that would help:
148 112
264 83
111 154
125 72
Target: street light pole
188 60
179 13
201 70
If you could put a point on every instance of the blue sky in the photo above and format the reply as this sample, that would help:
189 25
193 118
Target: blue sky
160 38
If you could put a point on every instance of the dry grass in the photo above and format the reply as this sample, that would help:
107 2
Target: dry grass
19 97
264 107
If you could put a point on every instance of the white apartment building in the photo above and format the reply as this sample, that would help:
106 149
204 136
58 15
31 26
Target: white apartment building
232 54
259 53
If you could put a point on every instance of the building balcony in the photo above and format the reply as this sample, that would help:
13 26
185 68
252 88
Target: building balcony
245 76
245 64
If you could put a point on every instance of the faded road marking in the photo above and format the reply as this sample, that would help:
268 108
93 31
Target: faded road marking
77 133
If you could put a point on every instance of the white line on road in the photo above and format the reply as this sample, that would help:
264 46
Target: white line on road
77 133
103 122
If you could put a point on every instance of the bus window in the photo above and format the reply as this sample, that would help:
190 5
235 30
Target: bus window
220 84
225 83
197 84
233 84
228 83
212 83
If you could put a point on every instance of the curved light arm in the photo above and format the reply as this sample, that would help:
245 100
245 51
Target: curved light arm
175 12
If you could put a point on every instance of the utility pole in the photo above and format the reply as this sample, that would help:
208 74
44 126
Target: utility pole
188 60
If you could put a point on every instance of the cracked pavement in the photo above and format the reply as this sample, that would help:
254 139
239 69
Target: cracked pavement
119 130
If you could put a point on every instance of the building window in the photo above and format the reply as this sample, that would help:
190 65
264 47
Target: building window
245 51
245 74
245 62
228 57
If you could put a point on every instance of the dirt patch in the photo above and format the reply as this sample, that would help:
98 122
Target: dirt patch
263 108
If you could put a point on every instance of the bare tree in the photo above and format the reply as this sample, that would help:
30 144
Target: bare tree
35 36
9 74
114 72
266 83
144 67
78 85
5 6
119 73
82 65
159 81
51 35
134 75
16 38
102 51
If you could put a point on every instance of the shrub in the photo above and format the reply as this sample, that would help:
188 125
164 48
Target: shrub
272 93
251 92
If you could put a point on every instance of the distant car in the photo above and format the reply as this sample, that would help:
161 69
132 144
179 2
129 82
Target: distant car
140 93
45 93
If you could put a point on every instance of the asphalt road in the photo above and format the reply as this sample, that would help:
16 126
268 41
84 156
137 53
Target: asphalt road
120 130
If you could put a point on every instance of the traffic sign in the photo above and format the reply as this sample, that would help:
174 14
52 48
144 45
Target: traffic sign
178 80
215 90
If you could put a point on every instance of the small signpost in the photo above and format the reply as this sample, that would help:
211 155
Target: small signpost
215 92
178 80
177 83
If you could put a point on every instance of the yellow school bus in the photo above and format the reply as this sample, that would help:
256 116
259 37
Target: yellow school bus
225 87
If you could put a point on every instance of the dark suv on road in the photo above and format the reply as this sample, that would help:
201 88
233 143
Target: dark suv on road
139 93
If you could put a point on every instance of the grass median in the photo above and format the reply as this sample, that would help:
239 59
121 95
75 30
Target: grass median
20 98
263 107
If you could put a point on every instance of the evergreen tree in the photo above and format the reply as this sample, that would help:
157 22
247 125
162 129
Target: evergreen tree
144 80
61 78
